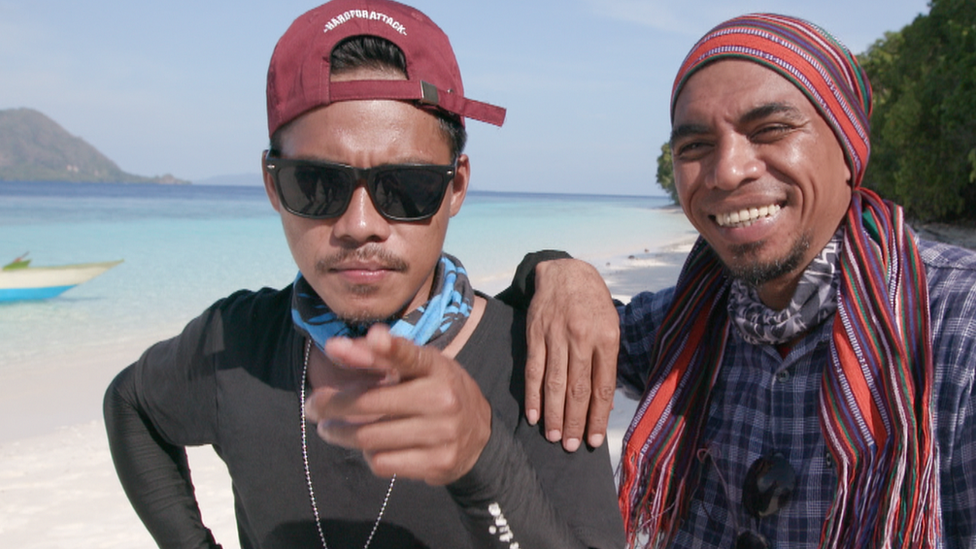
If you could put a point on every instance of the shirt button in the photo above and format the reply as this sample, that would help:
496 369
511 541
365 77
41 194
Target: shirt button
783 376
828 460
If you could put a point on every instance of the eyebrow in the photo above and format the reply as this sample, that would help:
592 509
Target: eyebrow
769 109
752 115
685 130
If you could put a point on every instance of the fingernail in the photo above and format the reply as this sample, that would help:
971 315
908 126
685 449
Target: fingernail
554 435
572 444
596 441
532 416
310 414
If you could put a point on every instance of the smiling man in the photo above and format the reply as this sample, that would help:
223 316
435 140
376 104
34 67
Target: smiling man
411 379
809 381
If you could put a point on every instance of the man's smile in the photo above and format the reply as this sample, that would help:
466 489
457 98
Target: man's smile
746 216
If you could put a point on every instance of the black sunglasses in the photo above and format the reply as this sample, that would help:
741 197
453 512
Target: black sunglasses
768 486
323 190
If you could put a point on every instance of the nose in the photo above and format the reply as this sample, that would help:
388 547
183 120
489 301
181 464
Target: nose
361 222
736 162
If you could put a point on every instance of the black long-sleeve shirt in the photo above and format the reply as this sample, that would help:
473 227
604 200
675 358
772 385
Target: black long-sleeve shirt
231 380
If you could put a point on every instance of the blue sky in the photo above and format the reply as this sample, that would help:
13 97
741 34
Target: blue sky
178 86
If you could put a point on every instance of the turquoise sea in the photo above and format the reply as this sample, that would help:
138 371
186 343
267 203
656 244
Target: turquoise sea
186 246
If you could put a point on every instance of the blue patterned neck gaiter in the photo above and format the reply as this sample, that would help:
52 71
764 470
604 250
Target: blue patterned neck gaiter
436 323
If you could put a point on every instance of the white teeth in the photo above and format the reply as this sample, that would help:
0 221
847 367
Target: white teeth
745 217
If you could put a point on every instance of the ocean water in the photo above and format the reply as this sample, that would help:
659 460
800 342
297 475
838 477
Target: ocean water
184 247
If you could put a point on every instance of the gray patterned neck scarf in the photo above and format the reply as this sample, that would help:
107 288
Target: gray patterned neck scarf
814 300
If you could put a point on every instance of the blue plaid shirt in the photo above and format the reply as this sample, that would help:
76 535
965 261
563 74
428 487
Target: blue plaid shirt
764 403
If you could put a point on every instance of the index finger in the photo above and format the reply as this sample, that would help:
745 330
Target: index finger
401 355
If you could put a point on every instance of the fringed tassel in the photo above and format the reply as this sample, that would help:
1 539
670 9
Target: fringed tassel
875 398
660 445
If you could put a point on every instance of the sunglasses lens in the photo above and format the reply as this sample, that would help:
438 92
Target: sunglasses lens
315 191
769 484
321 190
409 193
751 540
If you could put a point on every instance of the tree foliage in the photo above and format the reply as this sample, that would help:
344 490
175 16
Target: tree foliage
665 172
923 129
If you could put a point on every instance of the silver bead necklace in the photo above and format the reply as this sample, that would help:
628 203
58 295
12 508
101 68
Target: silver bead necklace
308 471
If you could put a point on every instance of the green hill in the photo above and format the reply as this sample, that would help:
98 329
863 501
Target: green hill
35 148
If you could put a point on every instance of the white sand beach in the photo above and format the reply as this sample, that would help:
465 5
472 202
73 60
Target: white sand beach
57 484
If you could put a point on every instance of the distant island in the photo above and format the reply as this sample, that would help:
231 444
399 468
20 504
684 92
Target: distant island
35 148
235 180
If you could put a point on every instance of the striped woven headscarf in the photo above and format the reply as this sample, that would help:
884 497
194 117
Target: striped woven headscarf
875 397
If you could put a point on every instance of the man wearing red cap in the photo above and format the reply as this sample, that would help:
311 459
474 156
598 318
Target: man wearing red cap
809 381
376 401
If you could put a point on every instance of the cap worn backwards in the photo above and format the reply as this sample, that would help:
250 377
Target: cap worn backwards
299 73
806 55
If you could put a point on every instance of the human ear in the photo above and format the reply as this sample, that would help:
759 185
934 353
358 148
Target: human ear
269 186
459 185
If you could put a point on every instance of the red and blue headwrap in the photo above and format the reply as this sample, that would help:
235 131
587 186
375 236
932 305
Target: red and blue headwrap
806 55
875 397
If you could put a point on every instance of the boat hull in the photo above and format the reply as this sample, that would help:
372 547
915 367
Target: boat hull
46 282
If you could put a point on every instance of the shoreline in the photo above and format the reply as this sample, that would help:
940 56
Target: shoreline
38 397
958 235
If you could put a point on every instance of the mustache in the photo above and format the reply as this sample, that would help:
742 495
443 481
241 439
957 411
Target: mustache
387 259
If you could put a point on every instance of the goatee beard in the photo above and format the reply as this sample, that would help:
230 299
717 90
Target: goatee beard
361 320
359 325
756 273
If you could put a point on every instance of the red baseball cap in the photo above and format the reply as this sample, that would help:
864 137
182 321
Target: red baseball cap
299 74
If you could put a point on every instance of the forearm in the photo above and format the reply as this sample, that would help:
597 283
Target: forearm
154 474
503 502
